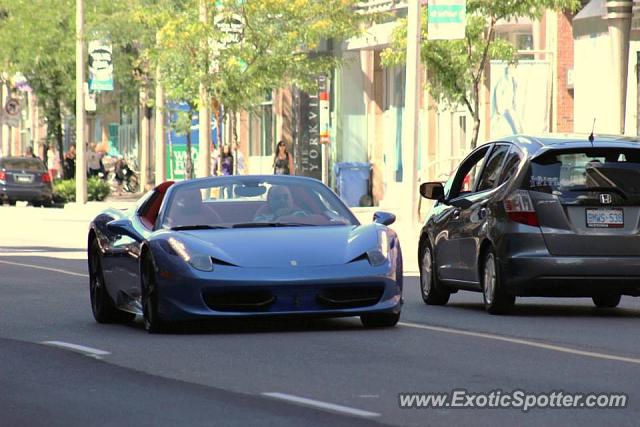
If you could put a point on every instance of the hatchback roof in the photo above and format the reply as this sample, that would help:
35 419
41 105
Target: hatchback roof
534 144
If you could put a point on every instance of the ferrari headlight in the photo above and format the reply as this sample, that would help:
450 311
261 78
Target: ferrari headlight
198 261
379 255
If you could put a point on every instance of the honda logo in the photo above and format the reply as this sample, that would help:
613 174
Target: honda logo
605 199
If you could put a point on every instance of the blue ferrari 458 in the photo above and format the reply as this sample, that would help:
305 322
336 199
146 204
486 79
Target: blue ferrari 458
243 246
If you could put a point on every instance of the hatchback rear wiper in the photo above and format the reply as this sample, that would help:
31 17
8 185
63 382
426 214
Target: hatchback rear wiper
603 189
197 227
269 224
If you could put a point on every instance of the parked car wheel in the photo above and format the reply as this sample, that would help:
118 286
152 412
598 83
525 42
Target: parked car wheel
607 300
430 288
380 320
496 301
102 306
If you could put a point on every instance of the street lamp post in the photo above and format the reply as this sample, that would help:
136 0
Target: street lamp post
81 160
411 126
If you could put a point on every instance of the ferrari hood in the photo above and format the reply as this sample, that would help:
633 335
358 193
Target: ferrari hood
285 246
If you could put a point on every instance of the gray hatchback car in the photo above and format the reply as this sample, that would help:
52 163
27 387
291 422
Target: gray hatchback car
27 179
536 216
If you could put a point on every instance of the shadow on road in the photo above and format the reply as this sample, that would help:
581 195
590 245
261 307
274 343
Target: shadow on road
556 310
258 326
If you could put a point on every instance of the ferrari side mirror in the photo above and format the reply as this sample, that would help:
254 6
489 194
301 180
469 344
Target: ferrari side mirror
384 218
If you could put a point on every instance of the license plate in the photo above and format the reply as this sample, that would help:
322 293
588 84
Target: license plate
605 218
24 178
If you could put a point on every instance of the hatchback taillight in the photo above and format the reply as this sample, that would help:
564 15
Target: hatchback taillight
3 176
519 207
46 177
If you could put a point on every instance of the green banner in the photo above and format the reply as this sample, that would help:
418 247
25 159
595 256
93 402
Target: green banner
176 160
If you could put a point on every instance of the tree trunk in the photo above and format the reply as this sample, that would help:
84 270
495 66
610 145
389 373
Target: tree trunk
476 115
188 163
59 140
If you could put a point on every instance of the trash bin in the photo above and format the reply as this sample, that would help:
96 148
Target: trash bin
353 183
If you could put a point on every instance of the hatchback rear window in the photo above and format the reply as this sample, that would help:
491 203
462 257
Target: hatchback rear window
586 169
31 165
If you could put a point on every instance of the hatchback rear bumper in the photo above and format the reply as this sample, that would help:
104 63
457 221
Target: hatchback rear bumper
571 276
28 194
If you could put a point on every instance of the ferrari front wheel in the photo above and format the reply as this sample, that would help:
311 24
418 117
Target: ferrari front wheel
152 320
380 320
102 306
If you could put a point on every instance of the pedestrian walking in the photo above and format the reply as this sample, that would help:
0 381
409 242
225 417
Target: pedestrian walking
282 161
53 162
224 163
94 161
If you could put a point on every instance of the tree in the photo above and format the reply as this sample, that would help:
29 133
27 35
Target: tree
39 41
272 47
455 68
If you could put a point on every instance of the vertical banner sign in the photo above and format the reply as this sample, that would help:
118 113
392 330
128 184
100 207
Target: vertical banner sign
100 66
309 150
446 19
324 113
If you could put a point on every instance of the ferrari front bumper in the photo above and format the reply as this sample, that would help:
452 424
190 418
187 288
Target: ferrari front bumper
328 291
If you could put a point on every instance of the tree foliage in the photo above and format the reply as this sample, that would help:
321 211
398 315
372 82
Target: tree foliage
455 68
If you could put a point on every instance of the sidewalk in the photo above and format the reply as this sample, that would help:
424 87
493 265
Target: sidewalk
67 227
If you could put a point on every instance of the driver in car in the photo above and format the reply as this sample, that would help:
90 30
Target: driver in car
279 204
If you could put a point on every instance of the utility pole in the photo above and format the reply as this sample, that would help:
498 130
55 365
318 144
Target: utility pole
144 138
411 125
204 122
160 153
81 159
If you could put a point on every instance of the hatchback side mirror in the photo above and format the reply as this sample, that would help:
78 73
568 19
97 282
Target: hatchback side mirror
432 190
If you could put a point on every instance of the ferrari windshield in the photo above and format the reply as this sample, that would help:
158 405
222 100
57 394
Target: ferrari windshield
246 202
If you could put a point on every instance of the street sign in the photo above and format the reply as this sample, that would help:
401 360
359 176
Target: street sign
446 19
100 66
11 113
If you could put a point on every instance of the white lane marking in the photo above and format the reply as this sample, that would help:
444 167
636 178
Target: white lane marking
520 341
38 267
57 255
321 405
87 351
369 396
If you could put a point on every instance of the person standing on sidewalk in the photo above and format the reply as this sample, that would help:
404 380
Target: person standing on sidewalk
282 161
70 162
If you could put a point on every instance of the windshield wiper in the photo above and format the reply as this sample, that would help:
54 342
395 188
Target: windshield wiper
197 227
269 224
604 189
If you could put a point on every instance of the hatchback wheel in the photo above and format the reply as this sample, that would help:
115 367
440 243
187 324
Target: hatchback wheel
496 301
430 288
607 300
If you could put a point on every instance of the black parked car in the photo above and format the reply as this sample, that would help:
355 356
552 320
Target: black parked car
25 179
533 216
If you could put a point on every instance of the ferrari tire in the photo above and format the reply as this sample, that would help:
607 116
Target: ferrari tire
431 290
496 300
380 320
102 306
606 301
153 322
